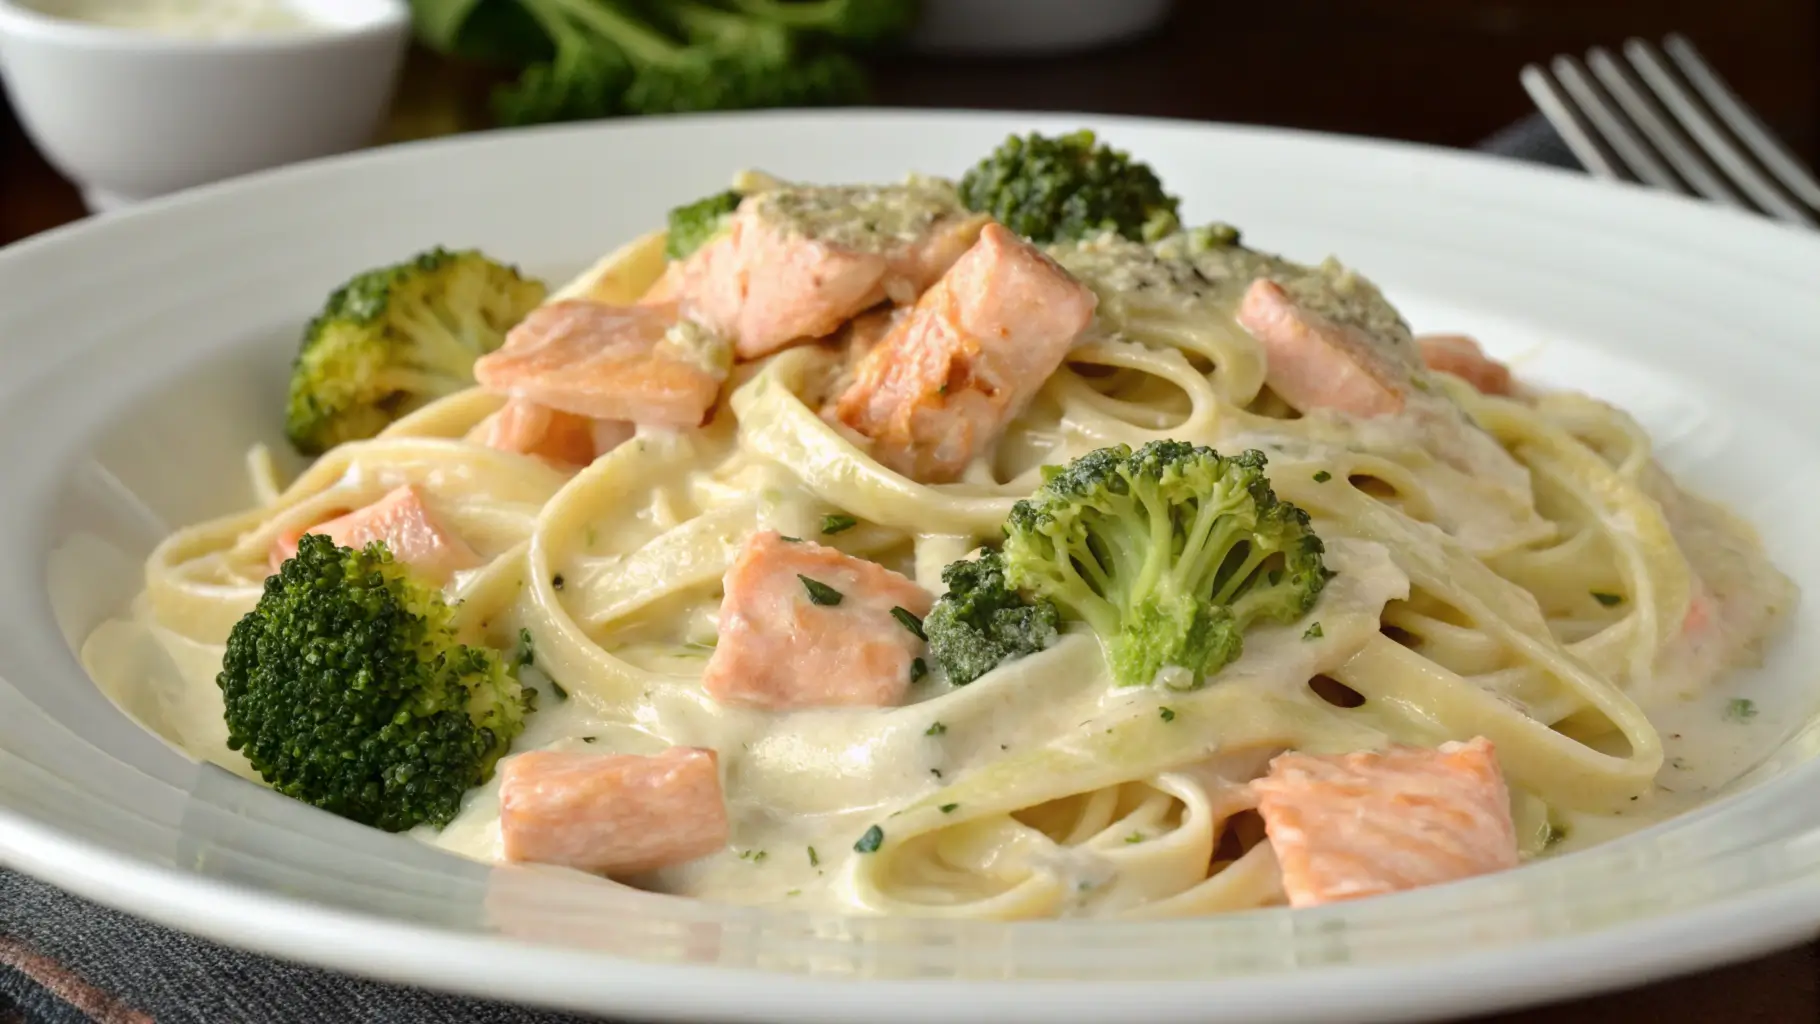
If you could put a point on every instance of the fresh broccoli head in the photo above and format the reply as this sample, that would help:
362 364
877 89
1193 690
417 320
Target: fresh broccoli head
392 339
611 58
347 689
691 226
579 83
981 622
1169 554
1069 187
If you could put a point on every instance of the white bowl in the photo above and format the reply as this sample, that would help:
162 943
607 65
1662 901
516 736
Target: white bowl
129 115
122 418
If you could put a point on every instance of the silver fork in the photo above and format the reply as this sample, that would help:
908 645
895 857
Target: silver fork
1671 122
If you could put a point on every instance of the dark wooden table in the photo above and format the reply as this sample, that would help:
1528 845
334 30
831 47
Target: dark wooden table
1440 71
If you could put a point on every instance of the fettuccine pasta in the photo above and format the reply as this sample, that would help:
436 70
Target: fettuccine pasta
1511 566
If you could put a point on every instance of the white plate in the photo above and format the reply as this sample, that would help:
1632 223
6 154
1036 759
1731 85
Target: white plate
140 353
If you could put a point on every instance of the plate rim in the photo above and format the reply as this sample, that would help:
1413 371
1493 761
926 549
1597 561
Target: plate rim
414 954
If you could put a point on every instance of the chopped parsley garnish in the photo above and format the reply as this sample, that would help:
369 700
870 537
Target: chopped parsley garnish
525 655
936 729
1136 837
836 522
815 860
794 892
1608 600
789 540
1167 713
1678 763
819 592
949 808
937 772
752 855
909 621
918 669
1314 632
1322 477
556 581
590 739
561 694
1739 709
871 841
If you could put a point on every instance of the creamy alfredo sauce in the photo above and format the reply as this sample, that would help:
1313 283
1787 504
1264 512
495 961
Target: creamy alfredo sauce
802 787
203 18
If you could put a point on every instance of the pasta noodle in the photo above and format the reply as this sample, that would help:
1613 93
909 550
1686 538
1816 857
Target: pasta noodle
1474 555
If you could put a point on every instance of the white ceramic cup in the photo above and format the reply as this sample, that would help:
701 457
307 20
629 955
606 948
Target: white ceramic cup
129 115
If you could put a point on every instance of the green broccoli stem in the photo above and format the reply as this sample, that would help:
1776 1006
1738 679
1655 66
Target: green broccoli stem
1254 559
432 340
555 24
1218 528
636 39
1153 548
701 17
800 14
1082 596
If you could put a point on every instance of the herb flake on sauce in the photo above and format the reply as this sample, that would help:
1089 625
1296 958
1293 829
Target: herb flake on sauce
871 841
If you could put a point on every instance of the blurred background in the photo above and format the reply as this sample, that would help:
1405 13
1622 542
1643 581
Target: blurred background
1436 71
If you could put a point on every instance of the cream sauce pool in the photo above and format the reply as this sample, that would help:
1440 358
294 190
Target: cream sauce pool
814 781
195 18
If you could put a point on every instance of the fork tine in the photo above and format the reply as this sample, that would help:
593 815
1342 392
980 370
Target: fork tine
1560 112
1743 121
1724 151
1616 129
1669 140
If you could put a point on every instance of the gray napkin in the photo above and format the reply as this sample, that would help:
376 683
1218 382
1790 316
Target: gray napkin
1532 139
64 960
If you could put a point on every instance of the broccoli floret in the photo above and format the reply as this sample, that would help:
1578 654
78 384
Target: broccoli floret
691 226
981 622
579 84
347 689
1069 187
392 339
615 58
1169 553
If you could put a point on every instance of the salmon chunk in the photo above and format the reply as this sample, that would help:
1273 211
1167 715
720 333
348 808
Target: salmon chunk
612 814
794 264
804 626
528 428
1462 357
1315 362
847 349
1366 824
409 529
968 358
643 363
